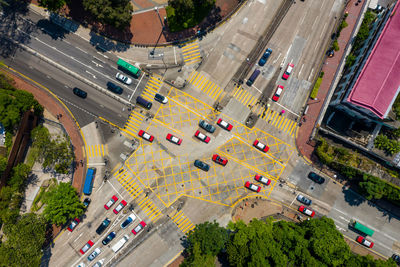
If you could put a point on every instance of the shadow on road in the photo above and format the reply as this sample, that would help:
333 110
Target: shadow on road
104 44
352 198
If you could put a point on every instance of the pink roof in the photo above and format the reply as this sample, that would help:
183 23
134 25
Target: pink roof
379 81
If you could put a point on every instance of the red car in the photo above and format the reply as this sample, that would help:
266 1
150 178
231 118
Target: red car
224 124
306 211
252 187
120 207
288 71
262 179
202 137
174 139
146 136
278 93
110 202
261 146
365 242
86 247
138 227
219 160
73 224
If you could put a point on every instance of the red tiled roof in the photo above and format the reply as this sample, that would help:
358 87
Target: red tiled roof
379 81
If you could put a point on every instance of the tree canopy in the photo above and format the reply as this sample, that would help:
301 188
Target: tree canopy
52 5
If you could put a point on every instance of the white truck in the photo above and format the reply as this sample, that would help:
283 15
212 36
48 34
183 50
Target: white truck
120 243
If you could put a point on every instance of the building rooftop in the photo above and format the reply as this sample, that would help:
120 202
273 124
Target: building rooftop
379 81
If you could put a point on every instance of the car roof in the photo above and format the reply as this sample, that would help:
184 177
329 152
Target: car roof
279 91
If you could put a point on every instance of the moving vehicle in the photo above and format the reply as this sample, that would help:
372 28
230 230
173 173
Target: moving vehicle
160 98
220 160
103 226
261 146
146 136
128 67
202 137
86 247
79 92
202 165
307 211
94 254
362 240
73 224
361 228
265 57
108 238
111 202
262 179
174 139
123 78
117 246
114 88
206 126
304 200
86 202
253 77
138 228
288 71
90 174
252 187
278 93
120 207
128 221
316 178
143 102
223 124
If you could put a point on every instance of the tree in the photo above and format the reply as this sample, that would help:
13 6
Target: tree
52 5
62 204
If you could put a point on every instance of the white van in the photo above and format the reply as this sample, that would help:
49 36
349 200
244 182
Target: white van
120 243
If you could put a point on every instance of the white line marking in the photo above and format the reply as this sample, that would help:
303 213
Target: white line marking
175 56
114 189
81 49
311 73
130 98
277 58
285 108
77 237
300 70
257 89
99 60
344 219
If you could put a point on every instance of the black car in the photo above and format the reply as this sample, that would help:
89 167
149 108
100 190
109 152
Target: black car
201 165
206 126
86 202
160 98
330 52
103 226
396 258
79 92
108 238
316 178
304 200
114 88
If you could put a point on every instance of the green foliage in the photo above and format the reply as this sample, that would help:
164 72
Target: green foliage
375 188
24 242
321 150
363 32
116 13
396 107
350 59
390 146
184 14
335 45
62 204
315 90
342 25
52 5
18 177
3 164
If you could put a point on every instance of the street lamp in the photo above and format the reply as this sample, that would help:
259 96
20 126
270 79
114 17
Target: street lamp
162 30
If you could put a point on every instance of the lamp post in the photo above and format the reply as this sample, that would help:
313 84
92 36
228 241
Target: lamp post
162 30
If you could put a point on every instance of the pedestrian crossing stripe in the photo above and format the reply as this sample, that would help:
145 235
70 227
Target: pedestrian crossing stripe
96 150
244 96
183 223
132 125
191 53
152 87
208 87
276 119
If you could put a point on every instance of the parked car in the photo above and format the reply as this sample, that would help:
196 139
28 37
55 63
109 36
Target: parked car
108 238
79 92
86 247
330 52
262 179
138 228
160 98
86 202
396 258
146 136
307 211
303 199
201 165
123 78
223 124
73 224
114 88
278 93
128 221
120 207
261 146
174 139
220 160
99 263
363 241
103 226
252 187
265 57
110 202
94 254
206 126
288 71
202 137
316 178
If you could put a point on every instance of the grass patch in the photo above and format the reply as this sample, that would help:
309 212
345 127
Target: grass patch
41 196
315 90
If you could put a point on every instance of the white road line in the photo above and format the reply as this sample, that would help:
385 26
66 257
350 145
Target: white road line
302 20
388 236
130 98
115 189
311 73
340 211
293 200
257 89
316 47
273 63
286 109
300 70
175 56
323 30
381 244
78 237
81 49
344 219
100 60
67 42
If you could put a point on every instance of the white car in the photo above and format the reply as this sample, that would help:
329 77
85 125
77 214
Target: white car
128 221
94 254
123 78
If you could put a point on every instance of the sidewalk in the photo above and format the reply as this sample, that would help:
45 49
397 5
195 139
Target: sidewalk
329 68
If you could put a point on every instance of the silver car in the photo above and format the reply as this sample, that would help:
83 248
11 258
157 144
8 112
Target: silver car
94 254
123 78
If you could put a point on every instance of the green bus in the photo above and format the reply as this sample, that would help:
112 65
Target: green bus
130 68
361 228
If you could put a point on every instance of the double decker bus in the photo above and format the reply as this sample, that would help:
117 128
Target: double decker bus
128 67
87 188
361 228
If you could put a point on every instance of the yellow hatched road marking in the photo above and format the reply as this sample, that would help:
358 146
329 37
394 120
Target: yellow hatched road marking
246 99
242 93
201 85
191 76
283 119
176 215
193 61
294 126
237 90
277 119
207 86
288 126
211 88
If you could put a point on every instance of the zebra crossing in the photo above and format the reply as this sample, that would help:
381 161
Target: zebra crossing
276 119
208 87
132 125
137 193
244 97
153 85
191 53
183 222
96 150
